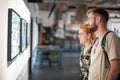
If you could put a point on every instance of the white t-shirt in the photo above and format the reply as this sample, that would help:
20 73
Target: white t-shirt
98 70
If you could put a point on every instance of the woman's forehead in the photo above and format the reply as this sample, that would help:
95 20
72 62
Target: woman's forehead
81 30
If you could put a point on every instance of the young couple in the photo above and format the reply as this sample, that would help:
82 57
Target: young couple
92 59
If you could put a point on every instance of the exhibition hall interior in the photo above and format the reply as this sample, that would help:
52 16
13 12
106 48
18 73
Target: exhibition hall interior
39 38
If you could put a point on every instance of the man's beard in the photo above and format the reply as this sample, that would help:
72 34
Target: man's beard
93 27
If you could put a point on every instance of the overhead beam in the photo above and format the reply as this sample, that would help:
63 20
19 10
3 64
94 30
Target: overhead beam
52 9
107 8
35 1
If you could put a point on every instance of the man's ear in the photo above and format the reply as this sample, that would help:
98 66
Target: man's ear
98 19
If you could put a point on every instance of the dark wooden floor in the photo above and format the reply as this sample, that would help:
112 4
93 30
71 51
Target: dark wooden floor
70 70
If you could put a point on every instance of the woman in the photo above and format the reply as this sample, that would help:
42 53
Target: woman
86 38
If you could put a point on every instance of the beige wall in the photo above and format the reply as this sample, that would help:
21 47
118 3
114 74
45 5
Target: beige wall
11 72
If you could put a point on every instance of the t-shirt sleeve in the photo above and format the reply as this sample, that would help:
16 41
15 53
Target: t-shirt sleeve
113 46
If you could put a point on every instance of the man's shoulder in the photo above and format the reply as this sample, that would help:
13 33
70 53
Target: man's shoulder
112 35
112 39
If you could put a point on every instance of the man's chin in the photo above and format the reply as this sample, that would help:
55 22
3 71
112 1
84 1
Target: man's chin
93 29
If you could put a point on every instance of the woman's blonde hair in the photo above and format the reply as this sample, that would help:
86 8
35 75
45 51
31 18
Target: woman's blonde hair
85 27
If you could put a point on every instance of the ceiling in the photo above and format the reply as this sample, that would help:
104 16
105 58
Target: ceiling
79 6
71 4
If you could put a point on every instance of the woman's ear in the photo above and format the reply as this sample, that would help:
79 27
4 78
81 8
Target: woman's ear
89 35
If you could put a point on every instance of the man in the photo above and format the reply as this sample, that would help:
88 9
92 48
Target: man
98 19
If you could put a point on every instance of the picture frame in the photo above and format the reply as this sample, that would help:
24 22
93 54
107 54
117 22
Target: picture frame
23 35
13 34
28 34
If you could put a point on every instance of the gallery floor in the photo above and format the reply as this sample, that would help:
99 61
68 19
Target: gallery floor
69 71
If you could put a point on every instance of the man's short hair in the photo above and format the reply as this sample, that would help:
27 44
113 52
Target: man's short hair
100 11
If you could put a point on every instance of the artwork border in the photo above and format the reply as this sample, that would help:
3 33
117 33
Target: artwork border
23 35
13 34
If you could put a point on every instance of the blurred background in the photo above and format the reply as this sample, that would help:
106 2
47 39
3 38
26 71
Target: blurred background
53 48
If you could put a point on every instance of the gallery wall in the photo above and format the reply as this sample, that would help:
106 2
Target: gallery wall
12 71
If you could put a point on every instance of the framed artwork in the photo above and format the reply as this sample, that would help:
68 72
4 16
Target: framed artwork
28 34
13 34
23 35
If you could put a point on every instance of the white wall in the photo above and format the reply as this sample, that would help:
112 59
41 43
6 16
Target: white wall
114 22
35 36
44 18
68 17
34 10
3 39
11 72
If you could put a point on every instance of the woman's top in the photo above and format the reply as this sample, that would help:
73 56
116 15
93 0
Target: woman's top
85 63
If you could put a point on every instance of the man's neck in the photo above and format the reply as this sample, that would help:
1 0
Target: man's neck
102 29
